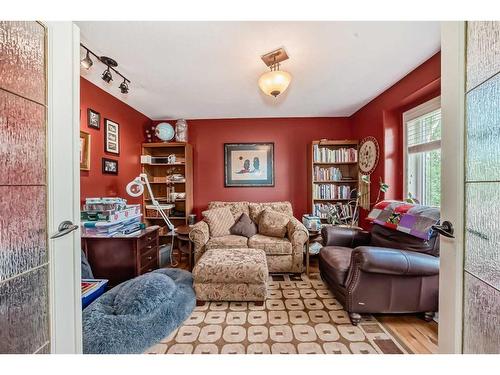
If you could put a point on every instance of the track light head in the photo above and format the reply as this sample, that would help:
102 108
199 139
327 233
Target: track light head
106 76
86 62
124 87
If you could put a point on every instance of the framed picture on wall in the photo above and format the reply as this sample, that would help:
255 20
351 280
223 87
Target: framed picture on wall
109 166
111 137
248 164
93 119
84 151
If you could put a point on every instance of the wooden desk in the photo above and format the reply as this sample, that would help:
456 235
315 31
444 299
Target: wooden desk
122 257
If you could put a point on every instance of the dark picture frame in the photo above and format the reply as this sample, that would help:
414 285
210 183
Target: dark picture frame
249 164
111 137
109 166
93 119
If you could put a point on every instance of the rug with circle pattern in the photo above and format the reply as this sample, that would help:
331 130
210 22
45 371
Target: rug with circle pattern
300 316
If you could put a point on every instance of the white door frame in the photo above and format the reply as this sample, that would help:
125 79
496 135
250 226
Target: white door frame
64 185
452 185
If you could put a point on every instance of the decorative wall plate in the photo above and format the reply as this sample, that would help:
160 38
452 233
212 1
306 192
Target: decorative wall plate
368 155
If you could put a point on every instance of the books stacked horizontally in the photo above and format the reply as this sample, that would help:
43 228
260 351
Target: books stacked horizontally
107 217
331 191
339 155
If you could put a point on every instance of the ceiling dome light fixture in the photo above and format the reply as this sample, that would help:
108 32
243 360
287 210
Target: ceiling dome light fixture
276 81
110 64
87 62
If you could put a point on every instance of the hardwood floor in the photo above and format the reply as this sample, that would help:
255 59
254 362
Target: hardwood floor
411 330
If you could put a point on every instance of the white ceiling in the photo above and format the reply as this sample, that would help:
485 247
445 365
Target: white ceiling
201 70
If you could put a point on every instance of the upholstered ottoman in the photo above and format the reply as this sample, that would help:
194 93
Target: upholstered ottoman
231 275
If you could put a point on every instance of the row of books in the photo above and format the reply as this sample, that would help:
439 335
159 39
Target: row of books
339 155
327 174
331 191
323 210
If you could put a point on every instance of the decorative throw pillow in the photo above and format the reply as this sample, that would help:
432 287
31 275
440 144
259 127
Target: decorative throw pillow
244 226
219 221
273 224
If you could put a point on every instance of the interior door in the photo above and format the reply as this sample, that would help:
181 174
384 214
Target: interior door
64 186
469 306
39 276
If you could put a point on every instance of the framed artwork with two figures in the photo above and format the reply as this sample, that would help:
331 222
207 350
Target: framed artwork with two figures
248 164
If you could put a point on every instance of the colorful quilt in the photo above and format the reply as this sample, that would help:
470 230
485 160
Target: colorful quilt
413 219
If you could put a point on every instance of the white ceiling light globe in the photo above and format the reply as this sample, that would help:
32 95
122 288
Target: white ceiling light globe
275 82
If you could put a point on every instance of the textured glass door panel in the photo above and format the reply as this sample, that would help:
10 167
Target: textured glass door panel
24 326
24 257
22 66
481 313
482 309
482 257
483 132
483 51
22 137
23 241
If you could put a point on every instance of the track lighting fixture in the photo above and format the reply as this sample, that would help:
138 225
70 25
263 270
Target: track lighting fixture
106 76
87 61
124 87
110 64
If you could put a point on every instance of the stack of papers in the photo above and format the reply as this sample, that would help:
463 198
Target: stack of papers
110 229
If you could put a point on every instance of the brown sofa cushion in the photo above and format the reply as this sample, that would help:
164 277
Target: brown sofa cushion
219 221
273 224
244 226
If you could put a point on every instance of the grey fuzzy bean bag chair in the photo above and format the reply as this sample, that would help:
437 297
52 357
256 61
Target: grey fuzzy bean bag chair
138 313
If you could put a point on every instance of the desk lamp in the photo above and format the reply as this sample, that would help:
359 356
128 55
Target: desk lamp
135 188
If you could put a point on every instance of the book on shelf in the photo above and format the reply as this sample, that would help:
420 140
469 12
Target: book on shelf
340 155
331 191
327 174
345 211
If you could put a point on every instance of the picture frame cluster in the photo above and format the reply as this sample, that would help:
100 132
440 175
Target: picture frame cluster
111 142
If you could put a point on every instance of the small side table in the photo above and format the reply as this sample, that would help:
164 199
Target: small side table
314 236
185 246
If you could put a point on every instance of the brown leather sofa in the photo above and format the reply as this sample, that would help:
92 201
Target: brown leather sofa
382 271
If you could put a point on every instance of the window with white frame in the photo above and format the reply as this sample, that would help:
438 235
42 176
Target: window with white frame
422 132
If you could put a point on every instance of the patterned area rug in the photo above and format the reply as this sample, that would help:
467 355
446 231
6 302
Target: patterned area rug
300 316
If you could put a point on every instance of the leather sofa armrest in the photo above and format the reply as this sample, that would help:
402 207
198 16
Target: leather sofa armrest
346 237
394 262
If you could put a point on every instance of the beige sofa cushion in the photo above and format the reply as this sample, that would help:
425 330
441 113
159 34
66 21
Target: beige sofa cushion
257 208
227 242
273 224
237 208
271 245
219 221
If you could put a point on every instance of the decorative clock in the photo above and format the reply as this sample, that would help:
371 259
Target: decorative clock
368 155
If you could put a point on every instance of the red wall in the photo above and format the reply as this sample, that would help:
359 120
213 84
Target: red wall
292 139
94 183
382 118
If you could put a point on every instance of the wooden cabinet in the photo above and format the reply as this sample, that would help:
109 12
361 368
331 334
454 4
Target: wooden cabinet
123 257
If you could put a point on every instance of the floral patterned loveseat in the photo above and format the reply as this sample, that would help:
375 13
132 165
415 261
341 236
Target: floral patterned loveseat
282 254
